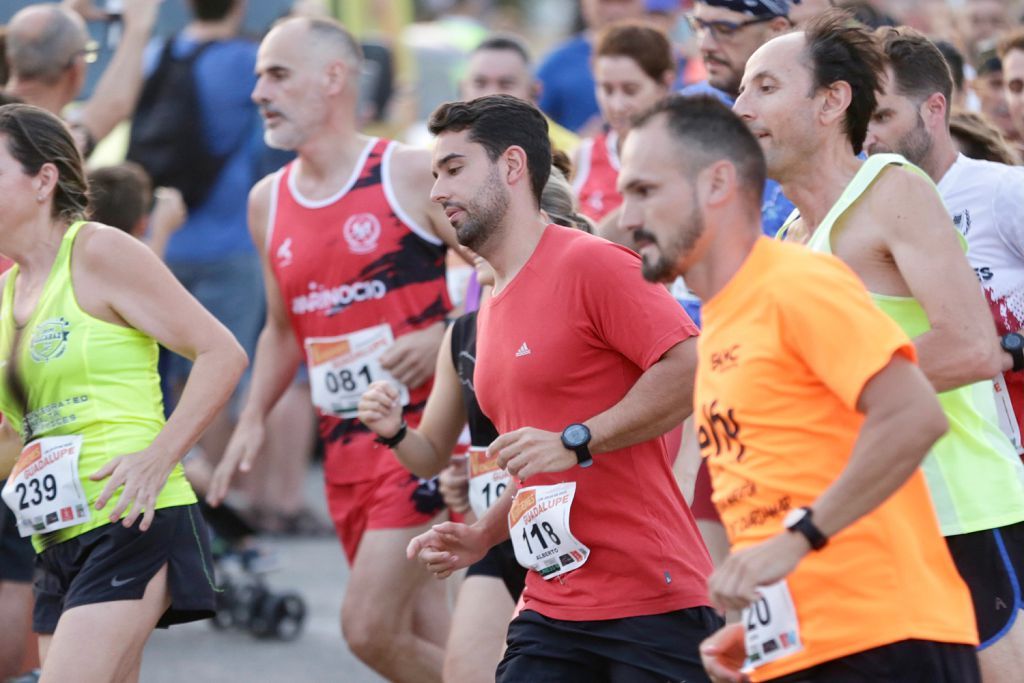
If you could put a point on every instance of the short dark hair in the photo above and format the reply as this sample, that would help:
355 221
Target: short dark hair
1011 41
919 67
119 195
36 137
212 10
710 131
498 122
644 43
841 49
505 41
955 59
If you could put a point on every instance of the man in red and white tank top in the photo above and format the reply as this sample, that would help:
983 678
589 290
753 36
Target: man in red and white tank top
353 253
597 170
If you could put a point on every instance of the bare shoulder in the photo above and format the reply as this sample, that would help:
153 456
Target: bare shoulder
259 207
101 247
411 166
898 189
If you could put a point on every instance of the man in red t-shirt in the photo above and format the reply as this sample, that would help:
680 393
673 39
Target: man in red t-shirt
582 372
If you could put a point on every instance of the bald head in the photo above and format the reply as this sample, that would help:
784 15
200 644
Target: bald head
42 40
325 38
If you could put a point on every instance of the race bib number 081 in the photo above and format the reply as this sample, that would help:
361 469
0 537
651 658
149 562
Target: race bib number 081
342 368
43 490
538 523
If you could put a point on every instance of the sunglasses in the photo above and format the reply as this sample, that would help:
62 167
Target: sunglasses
722 29
89 53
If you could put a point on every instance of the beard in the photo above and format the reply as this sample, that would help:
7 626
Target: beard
666 267
916 144
483 214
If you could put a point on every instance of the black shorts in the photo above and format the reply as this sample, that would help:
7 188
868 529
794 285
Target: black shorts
17 558
647 649
500 562
908 661
991 563
113 563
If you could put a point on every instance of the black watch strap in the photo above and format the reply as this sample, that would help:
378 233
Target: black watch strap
1013 344
393 441
812 533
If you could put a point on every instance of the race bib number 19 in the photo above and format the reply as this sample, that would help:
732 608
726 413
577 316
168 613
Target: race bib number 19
770 626
538 523
487 481
44 490
341 368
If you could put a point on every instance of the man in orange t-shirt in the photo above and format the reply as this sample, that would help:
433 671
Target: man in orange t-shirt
814 418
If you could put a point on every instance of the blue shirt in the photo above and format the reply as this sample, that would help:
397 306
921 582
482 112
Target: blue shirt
224 75
568 84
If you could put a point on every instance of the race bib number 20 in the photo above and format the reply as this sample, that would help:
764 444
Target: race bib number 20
341 368
770 626
44 490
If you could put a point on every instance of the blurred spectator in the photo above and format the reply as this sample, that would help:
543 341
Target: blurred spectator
728 32
122 196
48 50
988 85
985 21
866 13
212 254
976 138
1011 52
956 68
568 84
4 70
501 64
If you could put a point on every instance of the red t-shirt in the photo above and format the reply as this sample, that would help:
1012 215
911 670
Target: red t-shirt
561 343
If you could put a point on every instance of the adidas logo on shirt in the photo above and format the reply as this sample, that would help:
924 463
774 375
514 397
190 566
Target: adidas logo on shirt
524 350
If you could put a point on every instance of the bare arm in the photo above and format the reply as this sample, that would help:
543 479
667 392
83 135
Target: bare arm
276 359
687 462
427 450
962 346
902 419
118 89
661 399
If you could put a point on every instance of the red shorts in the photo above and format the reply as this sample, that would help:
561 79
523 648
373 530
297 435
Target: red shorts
395 499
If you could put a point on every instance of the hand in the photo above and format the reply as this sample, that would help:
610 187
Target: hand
453 483
723 653
88 9
140 15
411 360
143 475
380 410
447 547
169 211
530 451
734 584
239 455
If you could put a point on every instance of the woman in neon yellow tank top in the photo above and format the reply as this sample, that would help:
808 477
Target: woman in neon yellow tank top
99 485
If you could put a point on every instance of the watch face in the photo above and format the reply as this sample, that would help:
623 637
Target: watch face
1013 341
576 435
793 517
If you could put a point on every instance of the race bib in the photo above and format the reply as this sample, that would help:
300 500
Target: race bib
341 369
487 481
770 625
538 523
1004 408
44 490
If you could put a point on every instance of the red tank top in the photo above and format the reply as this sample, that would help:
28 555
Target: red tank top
597 170
354 261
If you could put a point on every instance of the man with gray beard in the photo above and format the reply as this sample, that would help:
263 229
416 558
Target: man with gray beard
353 258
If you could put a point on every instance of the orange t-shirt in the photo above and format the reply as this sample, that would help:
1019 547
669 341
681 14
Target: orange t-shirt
786 349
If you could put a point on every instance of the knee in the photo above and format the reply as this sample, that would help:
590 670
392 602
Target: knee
370 638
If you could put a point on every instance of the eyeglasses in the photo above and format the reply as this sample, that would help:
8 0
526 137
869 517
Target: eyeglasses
722 30
89 53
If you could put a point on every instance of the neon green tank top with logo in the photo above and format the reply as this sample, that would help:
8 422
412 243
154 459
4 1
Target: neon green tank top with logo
975 477
87 377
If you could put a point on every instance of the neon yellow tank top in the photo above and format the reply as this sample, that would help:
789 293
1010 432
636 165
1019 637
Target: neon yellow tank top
84 376
974 474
